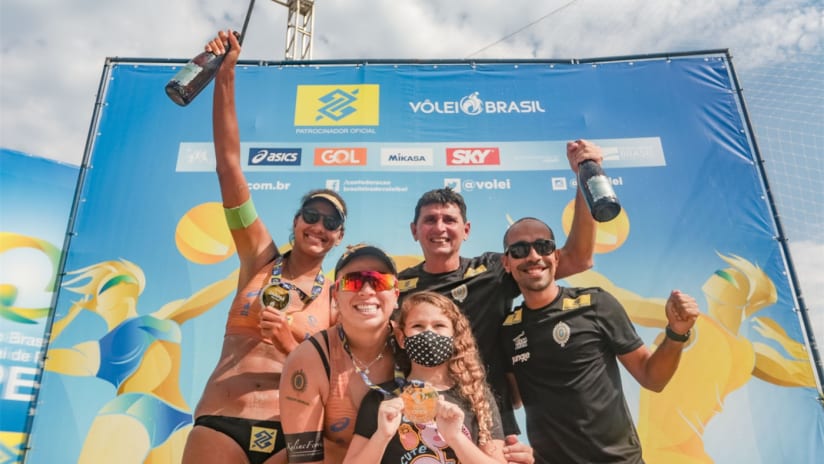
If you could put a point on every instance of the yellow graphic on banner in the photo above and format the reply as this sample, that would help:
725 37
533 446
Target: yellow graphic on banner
337 105
11 446
140 354
9 292
609 236
202 235
718 359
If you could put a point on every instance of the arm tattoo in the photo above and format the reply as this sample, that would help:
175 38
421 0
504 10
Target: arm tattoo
304 447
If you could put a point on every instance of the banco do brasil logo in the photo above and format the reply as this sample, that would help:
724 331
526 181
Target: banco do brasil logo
337 105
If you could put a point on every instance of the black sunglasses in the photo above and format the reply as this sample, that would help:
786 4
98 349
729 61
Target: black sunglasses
519 250
312 216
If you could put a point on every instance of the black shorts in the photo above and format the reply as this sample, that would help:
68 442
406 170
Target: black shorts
259 439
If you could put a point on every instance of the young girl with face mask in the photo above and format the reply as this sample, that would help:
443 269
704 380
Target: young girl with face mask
445 412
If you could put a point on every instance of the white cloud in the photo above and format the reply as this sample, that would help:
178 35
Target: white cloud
53 52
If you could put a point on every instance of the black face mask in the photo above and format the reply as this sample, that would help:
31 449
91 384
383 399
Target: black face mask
429 349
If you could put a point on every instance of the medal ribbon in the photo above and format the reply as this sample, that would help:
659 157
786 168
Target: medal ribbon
276 280
400 378
415 383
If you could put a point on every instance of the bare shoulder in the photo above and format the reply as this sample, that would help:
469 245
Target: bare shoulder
304 368
304 388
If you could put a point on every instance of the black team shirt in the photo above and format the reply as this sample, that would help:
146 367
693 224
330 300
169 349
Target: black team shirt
564 360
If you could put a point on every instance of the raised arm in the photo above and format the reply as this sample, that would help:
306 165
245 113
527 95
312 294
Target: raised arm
253 242
654 370
371 449
577 252
304 386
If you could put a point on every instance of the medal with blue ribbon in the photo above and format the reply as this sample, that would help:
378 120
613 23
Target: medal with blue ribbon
276 294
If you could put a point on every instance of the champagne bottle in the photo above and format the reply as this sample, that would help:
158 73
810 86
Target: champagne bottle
598 192
194 77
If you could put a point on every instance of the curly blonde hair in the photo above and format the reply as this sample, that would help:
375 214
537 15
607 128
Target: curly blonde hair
465 367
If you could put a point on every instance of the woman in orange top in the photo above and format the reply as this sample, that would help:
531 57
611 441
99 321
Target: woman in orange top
326 379
284 295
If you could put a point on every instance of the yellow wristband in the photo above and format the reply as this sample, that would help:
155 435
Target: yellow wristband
241 217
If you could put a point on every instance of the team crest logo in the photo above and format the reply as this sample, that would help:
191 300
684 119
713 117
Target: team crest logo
460 293
520 341
299 381
561 333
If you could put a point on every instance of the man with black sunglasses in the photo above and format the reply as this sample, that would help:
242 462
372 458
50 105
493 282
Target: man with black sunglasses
479 285
563 345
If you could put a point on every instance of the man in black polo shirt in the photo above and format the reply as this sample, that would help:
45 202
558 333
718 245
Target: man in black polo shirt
479 285
564 344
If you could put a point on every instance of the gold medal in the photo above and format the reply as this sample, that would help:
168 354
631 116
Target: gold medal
275 295
420 403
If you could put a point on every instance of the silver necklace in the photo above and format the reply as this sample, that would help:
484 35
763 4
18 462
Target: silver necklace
366 366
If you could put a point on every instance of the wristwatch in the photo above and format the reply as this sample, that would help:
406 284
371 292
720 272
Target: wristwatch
676 336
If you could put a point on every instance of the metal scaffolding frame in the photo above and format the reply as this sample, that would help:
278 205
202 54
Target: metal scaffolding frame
300 24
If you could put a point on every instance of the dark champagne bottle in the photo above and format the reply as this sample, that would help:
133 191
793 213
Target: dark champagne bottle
598 192
194 77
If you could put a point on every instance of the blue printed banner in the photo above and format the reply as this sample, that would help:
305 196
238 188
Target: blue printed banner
150 232
35 200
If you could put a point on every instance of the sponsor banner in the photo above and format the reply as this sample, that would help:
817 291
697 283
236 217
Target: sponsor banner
465 157
445 157
150 231
335 105
413 157
274 156
340 157
36 196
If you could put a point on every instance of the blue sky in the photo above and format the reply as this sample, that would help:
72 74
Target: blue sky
52 55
